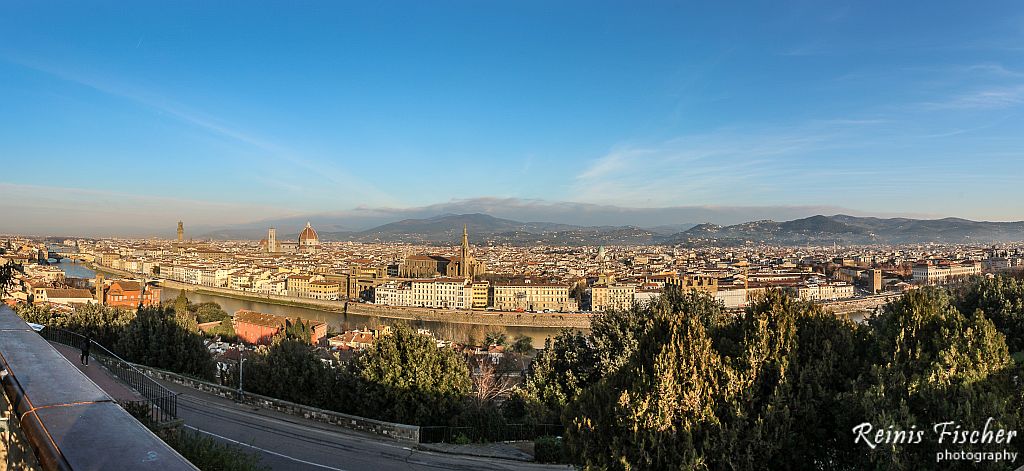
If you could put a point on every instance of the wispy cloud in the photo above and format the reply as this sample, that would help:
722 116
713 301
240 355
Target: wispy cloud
270 153
806 50
694 169
992 68
981 99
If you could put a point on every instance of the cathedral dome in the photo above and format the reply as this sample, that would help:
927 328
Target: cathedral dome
308 236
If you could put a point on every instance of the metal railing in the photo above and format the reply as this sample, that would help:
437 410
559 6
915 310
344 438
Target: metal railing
498 433
162 403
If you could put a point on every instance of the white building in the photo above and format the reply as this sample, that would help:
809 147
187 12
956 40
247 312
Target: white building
942 272
731 298
393 294
447 293
646 296
825 291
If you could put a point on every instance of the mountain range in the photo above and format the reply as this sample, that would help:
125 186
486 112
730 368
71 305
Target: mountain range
841 229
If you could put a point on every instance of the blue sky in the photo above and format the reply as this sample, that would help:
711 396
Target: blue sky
234 111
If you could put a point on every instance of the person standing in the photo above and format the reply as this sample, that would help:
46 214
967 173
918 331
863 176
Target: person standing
85 350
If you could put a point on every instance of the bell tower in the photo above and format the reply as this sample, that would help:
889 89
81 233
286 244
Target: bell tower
464 268
181 231
99 288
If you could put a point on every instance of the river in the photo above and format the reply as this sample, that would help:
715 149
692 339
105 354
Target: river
336 321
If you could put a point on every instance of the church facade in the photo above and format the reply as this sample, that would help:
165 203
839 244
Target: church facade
463 265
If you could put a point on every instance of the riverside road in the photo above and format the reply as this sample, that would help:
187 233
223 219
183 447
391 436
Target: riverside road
292 443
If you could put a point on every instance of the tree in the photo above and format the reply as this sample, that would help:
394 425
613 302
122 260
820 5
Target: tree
701 389
155 337
291 369
657 410
488 385
496 337
7 271
522 344
150 336
105 325
567 365
298 330
405 377
577 292
225 331
210 312
933 363
183 313
1001 299
615 335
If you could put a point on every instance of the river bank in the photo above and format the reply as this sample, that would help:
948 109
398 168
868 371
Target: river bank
342 315
456 325
487 318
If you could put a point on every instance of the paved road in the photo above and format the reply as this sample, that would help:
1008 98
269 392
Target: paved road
292 443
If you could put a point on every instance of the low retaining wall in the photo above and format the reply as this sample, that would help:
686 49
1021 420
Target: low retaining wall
555 320
847 306
400 432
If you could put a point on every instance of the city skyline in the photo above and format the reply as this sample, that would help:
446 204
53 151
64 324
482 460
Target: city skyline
144 113
524 235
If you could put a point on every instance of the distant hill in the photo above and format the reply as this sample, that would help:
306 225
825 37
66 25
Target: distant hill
446 229
483 228
668 229
843 229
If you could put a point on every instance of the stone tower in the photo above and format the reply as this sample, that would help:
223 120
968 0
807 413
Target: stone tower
464 268
272 240
181 231
99 288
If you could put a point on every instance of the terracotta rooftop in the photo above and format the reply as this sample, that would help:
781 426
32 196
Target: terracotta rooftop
267 320
68 293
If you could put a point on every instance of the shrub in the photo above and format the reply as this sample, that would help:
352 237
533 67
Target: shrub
202 451
548 449
207 453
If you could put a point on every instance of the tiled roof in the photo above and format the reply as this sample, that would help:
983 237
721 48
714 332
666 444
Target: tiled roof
68 293
128 285
267 320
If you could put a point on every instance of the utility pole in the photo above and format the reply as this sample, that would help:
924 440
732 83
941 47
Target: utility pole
241 361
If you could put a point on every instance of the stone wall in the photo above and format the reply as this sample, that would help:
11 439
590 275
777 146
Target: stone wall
860 304
400 432
512 319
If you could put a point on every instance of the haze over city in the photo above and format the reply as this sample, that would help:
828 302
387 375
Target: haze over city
118 118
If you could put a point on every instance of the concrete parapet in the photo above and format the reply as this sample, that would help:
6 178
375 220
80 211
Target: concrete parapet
68 420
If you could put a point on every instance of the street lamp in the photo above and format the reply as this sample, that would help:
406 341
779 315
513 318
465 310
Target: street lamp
241 361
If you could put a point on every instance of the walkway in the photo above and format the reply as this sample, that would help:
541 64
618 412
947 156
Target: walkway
99 375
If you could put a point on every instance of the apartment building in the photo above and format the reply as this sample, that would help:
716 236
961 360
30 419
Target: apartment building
445 293
612 296
393 293
930 272
529 296
324 290
825 291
